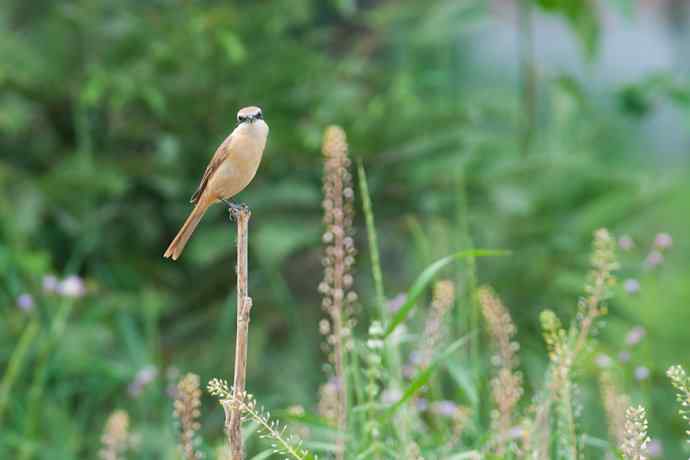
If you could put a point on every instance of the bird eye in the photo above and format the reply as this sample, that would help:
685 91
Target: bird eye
241 118
260 116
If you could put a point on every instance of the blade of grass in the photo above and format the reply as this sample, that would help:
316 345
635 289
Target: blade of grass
373 240
41 374
425 278
423 377
464 380
317 446
263 455
422 243
16 363
391 353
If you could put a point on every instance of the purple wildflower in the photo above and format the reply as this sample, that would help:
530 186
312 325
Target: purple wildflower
641 373
626 243
635 335
396 302
409 370
444 408
143 377
50 284
415 358
663 241
631 286
655 449
25 302
421 404
654 258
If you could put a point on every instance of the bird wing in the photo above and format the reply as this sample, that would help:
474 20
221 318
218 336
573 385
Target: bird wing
221 154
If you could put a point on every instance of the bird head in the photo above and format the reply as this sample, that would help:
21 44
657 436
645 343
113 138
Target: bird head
249 114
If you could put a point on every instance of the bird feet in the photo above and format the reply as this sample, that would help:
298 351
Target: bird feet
235 209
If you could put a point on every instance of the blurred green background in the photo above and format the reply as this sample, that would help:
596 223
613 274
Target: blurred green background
499 124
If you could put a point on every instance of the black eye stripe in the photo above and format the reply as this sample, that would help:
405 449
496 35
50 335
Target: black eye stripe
257 116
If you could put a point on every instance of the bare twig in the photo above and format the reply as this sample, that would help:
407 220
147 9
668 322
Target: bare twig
233 417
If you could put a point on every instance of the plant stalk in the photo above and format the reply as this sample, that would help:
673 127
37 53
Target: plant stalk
244 306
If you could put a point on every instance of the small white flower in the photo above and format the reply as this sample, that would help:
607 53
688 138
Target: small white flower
663 241
72 286
603 361
391 396
654 259
635 335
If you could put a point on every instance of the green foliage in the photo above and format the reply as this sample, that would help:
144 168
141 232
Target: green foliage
581 15
110 110
425 278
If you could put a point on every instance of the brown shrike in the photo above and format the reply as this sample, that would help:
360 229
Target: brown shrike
231 169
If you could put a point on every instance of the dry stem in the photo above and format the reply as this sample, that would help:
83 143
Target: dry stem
233 418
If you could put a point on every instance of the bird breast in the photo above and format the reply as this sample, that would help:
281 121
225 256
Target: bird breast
246 149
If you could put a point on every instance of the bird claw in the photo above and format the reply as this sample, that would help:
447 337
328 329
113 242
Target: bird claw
236 209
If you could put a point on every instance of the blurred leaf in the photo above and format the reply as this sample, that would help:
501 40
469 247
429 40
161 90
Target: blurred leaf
423 377
234 49
582 17
464 379
263 455
425 278
276 241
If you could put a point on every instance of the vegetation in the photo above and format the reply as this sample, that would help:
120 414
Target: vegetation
446 176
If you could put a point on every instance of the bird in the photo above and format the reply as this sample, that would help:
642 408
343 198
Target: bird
231 169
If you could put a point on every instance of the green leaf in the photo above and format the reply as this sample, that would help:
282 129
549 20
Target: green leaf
463 378
320 446
376 272
582 17
427 276
263 455
423 377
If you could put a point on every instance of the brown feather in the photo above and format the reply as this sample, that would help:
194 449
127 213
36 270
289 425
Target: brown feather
218 158
177 246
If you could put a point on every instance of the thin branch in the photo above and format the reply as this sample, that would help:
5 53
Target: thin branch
244 306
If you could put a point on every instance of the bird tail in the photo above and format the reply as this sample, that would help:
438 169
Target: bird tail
177 246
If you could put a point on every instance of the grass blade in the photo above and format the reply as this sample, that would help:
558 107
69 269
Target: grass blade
427 276
423 377
16 363
263 455
373 240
